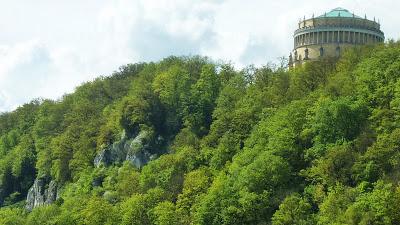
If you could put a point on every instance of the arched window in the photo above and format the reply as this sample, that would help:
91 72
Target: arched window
337 51
295 55
306 53
321 51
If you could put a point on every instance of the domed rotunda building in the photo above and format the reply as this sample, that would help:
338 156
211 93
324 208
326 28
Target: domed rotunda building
327 35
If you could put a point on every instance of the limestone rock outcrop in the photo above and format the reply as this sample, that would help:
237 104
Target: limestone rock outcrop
138 150
43 192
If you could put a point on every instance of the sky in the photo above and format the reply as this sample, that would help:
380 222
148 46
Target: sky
48 47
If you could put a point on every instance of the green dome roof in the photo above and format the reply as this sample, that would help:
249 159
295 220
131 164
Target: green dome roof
339 12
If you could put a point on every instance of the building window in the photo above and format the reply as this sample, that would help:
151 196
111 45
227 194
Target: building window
306 53
337 51
321 51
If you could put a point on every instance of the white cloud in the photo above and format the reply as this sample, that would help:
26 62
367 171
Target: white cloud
47 47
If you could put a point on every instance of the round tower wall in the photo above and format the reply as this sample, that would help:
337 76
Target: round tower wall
329 35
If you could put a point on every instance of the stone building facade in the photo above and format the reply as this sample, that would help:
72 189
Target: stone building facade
327 35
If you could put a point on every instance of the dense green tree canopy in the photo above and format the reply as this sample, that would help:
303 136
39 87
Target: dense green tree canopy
317 144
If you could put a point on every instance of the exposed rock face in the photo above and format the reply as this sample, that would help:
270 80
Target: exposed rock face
41 193
97 182
138 159
138 150
1 196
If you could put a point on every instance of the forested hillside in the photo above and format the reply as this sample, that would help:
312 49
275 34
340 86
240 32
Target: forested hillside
190 141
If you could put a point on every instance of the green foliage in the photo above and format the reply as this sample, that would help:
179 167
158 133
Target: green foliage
164 214
138 208
127 181
335 166
318 144
43 215
201 101
99 211
334 206
381 206
335 120
195 186
380 160
294 210
166 172
310 77
248 193
12 216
